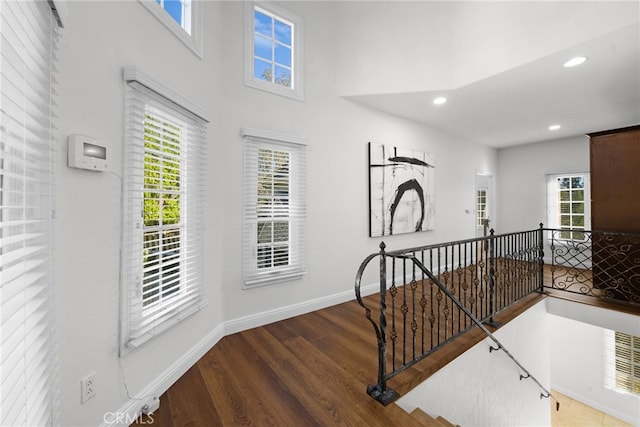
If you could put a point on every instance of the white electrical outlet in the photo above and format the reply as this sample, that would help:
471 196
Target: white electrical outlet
87 387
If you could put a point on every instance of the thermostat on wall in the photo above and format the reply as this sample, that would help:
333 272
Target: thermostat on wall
84 153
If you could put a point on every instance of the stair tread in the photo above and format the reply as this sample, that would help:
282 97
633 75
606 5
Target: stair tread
445 422
425 419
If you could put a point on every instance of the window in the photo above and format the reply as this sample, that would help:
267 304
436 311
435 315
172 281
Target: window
163 198
273 50
28 48
627 354
481 206
181 17
622 362
179 10
274 208
162 211
569 204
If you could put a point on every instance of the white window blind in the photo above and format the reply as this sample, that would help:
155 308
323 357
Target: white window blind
627 362
28 44
275 208
163 221
621 362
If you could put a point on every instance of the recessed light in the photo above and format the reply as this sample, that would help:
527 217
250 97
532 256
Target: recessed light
575 61
440 100
554 127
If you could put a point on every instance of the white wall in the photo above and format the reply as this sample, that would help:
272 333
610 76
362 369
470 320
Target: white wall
337 133
100 39
596 316
578 368
393 46
521 181
483 389
560 342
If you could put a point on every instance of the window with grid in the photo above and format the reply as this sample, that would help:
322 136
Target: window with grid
627 362
274 50
274 210
481 206
179 11
569 204
163 223
181 17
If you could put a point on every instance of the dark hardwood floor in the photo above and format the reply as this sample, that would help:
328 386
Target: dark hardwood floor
310 370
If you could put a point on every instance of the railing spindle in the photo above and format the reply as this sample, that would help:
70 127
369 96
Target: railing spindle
423 303
394 334
476 277
541 258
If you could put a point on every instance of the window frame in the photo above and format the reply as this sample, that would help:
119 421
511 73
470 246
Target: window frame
296 91
294 213
482 207
145 97
611 358
553 204
192 38
634 367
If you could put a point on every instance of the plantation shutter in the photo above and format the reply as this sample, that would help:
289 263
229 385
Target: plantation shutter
274 208
29 33
627 362
163 220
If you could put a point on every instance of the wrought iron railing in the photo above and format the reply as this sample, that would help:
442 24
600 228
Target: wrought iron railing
597 264
430 295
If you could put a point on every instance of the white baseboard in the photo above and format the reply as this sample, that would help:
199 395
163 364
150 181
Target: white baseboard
275 315
131 410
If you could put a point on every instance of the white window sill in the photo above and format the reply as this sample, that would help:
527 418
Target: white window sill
273 278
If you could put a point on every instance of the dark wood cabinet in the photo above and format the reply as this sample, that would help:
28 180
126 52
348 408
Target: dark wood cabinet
615 180
615 209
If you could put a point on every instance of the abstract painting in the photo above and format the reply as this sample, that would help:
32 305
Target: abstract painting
401 190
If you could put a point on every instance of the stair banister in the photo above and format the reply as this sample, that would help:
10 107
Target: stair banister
541 256
380 391
545 393
475 267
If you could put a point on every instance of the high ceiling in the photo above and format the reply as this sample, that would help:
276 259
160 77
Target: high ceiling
518 105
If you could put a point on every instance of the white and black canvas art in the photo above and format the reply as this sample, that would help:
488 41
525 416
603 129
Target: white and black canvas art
401 190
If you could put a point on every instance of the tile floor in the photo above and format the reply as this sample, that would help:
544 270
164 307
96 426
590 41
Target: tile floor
576 414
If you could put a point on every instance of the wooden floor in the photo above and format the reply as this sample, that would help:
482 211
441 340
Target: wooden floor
576 414
311 370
